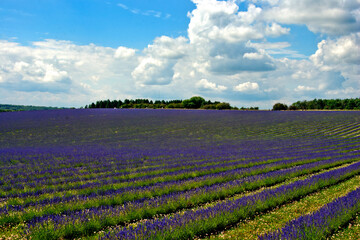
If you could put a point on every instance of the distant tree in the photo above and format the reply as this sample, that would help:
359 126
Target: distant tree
118 104
188 104
293 107
209 106
279 107
174 105
107 104
194 102
223 105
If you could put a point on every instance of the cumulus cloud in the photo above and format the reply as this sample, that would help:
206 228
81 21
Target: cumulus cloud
304 88
247 87
322 16
338 54
276 48
24 69
124 52
61 67
167 47
221 34
275 30
222 20
204 84
153 71
156 67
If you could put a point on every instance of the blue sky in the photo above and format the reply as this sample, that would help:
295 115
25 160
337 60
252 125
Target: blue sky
131 23
248 53
107 23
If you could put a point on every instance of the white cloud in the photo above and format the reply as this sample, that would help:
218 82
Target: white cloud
276 48
204 84
275 30
254 56
123 6
221 20
220 33
338 54
151 13
304 88
247 86
166 47
156 67
322 16
341 56
269 45
124 52
59 67
152 71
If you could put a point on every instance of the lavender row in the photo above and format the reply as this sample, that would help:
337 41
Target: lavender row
287 153
77 123
105 165
321 223
109 215
189 166
75 171
177 174
171 161
347 130
113 116
156 189
191 223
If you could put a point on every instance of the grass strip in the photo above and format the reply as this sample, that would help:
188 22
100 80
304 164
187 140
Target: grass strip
350 232
322 223
263 223
203 221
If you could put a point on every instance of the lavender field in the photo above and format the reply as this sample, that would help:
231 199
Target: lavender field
179 174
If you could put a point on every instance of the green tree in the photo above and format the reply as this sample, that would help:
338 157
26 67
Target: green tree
293 107
194 102
279 107
223 105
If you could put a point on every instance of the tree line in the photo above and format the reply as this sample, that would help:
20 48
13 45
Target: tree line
321 104
13 108
196 102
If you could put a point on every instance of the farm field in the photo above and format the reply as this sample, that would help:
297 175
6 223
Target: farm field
179 174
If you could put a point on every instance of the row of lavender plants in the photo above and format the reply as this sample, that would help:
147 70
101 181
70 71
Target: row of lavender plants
121 176
48 178
16 183
210 171
120 196
95 219
320 224
204 220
